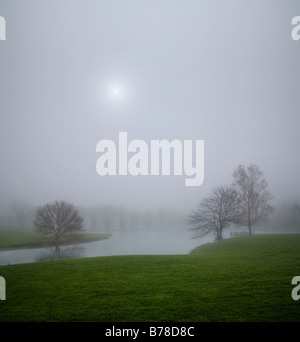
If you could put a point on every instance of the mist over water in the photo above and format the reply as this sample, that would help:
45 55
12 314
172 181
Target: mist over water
130 242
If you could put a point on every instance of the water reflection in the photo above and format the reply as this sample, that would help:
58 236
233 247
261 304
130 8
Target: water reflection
59 252
173 241
129 242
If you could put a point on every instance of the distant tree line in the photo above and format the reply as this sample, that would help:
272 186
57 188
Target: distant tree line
59 219
244 203
16 214
110 217
286 218
100 217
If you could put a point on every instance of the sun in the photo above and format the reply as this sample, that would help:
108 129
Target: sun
115 93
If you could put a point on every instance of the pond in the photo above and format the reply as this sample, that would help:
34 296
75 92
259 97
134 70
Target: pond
128 242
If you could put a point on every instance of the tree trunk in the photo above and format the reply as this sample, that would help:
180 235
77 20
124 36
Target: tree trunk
219 234
249 221
56 239
57 252
250 227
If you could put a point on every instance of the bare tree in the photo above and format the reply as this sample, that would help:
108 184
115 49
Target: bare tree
253 196
57 219
294 217
296 208
215 213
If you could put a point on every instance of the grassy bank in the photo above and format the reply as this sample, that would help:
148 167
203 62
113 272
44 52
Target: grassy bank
245 278
12 237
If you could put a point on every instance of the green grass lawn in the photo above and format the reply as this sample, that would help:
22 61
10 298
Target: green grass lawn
12 237
246 278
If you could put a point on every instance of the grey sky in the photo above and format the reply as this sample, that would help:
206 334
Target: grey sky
224 71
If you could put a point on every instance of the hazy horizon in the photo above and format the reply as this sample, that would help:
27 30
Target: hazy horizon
75 72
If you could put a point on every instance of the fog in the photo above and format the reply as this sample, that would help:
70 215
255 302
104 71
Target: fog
75 72
127 242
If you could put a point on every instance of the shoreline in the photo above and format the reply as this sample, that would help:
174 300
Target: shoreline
79 238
